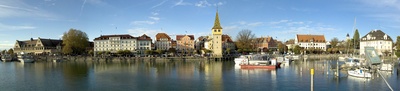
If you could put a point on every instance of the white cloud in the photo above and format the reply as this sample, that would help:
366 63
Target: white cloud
154 13
203 3
159 4
154 18
300 27
278 22
6 45
140 31
251 24
4 27
96 2
18 8
219 4
255 24
181 3
143 22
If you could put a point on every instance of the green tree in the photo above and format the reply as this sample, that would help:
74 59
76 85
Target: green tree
90 52
172 50
297 49
4 52
120 52
10 51
356 39
75 42
334 42
398 46
281 48
148 52
228 50
245 40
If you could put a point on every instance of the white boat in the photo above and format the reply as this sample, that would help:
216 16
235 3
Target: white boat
6 58
359 73
343 58
25 58
386 67
241 59
352 62
252 59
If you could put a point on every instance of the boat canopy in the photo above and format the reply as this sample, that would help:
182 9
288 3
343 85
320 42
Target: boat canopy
372 56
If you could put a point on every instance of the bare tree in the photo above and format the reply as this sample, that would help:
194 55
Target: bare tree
245 40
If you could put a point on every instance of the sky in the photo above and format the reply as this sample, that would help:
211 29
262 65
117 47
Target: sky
280 19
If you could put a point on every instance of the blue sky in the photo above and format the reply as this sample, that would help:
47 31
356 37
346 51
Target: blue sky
281 19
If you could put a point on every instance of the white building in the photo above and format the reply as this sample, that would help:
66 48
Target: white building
113 43
377 39
307 41
144 43
163 41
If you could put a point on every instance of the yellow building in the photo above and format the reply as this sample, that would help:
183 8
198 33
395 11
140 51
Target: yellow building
185 43
217 38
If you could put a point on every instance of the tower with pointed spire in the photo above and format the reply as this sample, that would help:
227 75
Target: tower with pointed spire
217 37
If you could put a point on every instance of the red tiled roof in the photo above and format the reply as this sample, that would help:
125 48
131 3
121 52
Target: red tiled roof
308 38
162 35
226 38
178 37
122 36
144 37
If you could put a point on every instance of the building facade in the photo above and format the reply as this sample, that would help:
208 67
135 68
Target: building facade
144 43
266 43
217 38
163 41
38 46
114 43
227 43
382 42
308 41
185 43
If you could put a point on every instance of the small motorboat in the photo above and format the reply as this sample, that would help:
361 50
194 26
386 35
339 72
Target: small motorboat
25 58
362 73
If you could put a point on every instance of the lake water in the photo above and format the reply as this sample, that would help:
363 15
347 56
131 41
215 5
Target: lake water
181 76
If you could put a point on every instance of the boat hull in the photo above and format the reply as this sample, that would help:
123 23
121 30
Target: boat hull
26 60
258 66
357 73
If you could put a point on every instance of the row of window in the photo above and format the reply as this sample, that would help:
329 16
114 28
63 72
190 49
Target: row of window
113 49
106 42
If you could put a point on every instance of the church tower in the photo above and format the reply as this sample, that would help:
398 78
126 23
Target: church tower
217 37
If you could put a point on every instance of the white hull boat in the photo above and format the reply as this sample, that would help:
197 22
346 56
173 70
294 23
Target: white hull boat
252 59
359 73
386 67
25 58
6 58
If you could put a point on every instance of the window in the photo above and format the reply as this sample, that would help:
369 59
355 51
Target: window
215 30
219 30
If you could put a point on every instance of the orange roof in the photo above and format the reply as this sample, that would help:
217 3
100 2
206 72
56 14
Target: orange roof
265 39
178 37
122 36
226 38
173 43
309 38
144 37
162 35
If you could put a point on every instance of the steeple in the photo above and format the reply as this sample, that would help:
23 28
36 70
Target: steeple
217 25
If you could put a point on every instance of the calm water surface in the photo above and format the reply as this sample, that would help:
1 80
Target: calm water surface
180 76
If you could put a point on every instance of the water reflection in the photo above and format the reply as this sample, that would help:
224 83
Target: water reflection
180 75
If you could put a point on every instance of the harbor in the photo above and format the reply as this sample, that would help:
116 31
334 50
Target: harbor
187 75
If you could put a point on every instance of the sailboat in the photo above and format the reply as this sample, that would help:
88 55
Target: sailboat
359 72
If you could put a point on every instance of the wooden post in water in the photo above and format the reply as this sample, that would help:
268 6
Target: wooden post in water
312 79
